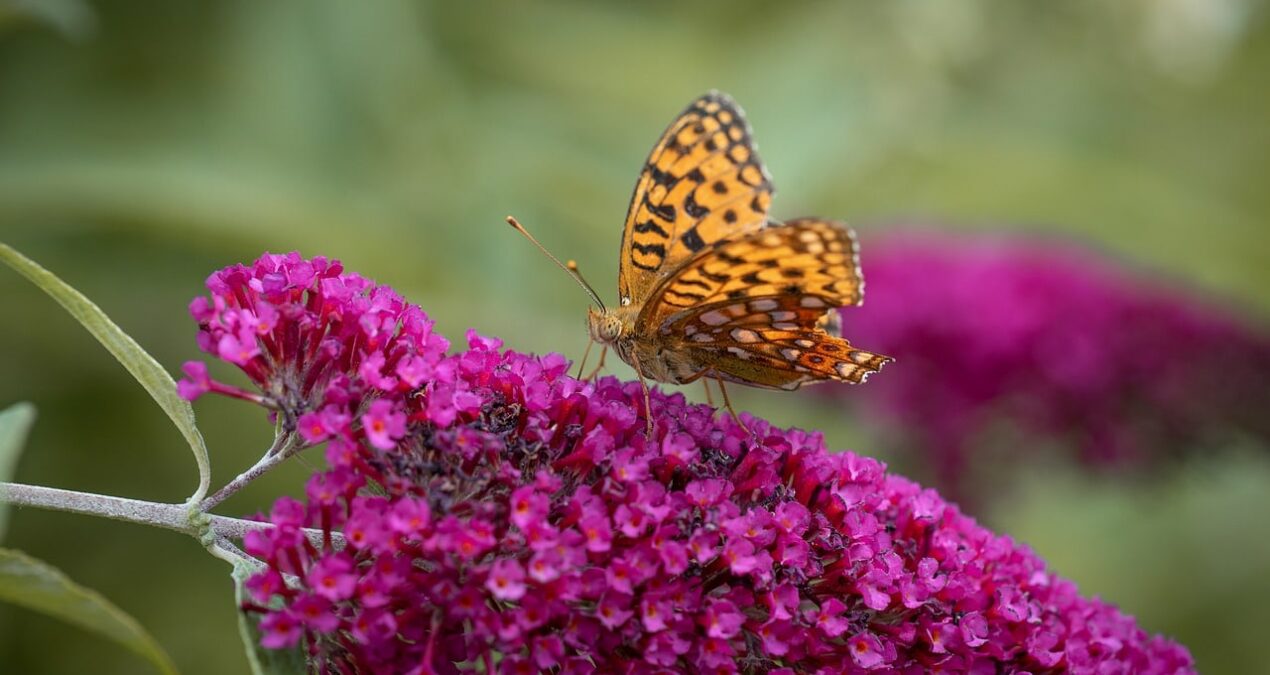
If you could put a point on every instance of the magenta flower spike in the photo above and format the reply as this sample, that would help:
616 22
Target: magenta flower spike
525 523
1052 342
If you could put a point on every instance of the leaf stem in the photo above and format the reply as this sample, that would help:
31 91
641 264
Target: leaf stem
174 517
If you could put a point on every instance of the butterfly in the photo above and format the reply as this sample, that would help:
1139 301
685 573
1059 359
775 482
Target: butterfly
709 286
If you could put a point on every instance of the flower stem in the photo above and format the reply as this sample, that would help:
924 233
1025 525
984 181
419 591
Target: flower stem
231 554
283 445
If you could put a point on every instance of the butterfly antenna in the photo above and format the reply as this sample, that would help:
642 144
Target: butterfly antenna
571 268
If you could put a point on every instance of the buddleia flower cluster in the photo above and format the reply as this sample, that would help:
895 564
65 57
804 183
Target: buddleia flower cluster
483 510
1054 343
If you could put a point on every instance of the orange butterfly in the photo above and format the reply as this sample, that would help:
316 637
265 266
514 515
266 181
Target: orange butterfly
709 286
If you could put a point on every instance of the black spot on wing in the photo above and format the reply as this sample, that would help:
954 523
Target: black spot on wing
660 177
692 240
692 208
684 299
694 282
651 226
649 249
665 211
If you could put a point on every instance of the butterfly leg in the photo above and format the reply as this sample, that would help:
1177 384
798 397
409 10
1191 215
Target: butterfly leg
648 406
705 384
585 354
604 351
728 402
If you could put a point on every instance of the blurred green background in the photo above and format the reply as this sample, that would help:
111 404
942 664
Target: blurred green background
144 144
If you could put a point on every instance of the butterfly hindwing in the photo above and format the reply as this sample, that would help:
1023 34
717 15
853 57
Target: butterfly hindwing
703 182
771 341
782 362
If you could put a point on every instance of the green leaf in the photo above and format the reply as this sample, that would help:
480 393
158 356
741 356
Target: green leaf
35 585
15 421
140 364
263 661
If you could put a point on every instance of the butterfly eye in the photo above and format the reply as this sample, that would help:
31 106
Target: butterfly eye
603 327
612 329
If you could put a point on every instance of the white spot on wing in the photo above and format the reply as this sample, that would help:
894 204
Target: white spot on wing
805 344
702 337
790 353
743 335
714 318
782 316
764 305
785 326
811 302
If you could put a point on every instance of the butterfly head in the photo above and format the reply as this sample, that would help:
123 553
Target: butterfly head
604 325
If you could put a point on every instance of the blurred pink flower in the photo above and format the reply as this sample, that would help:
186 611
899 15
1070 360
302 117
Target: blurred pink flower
1063 344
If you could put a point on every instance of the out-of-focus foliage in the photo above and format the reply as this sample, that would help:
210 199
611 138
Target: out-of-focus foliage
39 587
15 423
144 144
148 372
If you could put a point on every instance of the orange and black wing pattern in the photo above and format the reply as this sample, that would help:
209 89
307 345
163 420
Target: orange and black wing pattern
807 257
703 183
754 310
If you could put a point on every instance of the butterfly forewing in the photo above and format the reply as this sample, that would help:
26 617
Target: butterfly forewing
804 258
703 183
